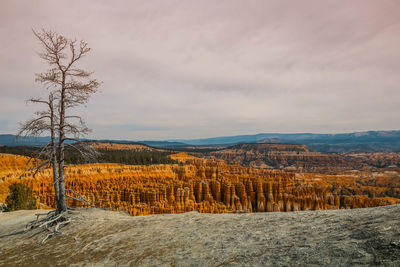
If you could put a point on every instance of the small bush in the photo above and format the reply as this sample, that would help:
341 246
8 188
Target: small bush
20 198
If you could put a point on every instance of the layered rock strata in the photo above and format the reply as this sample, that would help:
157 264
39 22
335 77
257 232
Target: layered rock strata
286 157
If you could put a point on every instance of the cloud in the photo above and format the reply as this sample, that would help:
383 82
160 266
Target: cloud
189 69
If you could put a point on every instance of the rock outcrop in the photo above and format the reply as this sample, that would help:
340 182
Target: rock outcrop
359 237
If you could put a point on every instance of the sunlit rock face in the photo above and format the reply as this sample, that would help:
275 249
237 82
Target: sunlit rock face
281 156
203 185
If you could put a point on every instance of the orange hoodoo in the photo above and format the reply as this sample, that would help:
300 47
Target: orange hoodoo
205 186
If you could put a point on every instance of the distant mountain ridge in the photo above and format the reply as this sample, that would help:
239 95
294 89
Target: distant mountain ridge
13 140
255 138
369 141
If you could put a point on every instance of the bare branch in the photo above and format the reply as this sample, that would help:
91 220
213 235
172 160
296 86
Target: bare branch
80 198
41 166
38 100
87 152
54 45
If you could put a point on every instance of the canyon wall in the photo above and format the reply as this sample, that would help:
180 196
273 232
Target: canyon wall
299 158
283 156
202 185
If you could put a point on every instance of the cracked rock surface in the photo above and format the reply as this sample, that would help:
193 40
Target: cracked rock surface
360 237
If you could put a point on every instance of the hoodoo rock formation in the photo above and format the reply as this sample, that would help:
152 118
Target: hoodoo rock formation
202 185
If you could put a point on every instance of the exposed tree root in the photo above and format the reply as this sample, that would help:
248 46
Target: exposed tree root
51 223
52 220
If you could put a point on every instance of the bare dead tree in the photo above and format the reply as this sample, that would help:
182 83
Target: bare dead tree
71 86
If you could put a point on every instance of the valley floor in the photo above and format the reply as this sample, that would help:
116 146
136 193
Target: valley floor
368 236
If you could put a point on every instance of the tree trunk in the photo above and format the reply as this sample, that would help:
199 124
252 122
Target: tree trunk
54 151
62 200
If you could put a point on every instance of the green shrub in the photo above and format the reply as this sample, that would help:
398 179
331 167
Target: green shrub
20 198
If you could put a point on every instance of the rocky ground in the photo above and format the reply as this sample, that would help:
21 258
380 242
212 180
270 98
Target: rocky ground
96 237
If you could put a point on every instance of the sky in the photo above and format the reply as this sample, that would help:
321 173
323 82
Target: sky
194 69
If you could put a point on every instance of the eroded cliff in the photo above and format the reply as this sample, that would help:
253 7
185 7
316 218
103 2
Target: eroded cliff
299 158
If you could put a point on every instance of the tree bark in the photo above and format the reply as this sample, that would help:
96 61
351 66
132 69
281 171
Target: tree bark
54 151
62 200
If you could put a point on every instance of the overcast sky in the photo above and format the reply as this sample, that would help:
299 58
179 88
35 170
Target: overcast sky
191 69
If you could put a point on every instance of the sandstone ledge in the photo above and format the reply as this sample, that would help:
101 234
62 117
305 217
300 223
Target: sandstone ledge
334 237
